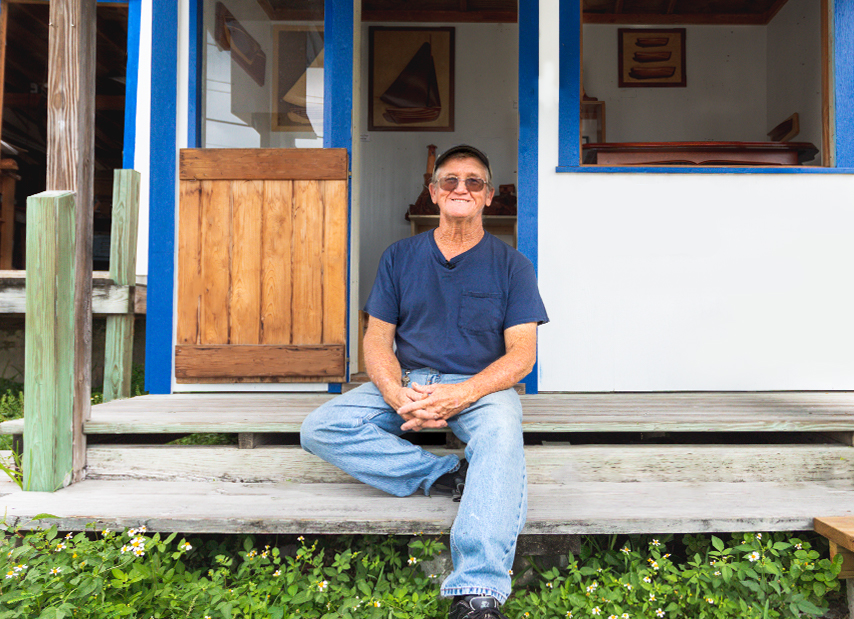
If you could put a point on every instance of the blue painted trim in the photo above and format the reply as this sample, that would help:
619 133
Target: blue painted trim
842 30
338 108
569 83
338 75
843 73
161 244
528 156
197 46
131 82
589 169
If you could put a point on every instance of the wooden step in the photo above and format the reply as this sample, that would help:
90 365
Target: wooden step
586 412
581 508
545 465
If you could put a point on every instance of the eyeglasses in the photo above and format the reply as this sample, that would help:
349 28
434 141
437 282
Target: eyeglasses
449 183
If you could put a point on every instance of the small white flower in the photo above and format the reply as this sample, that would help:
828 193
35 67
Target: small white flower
659 613
321 586
753 556
412 561
710 600
758 536
300 539
613 617
432 576
717 573
569 614
656 543
596 611
376 603
510 572
60 546
143 529
592 588
185 546
126 548
652 597
654 565
549 585
625 550
69 536
628 586
139 552
798 546
647 579
624 616
55 570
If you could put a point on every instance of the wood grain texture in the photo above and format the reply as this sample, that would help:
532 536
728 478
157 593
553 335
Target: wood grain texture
7 211
631 464
216 260
608 412
107 298
839 529
334 302
190 284
118 357
70 161
50 358
307 264
847 570
258 361
245 303
277 232
582 508
264 164
828 135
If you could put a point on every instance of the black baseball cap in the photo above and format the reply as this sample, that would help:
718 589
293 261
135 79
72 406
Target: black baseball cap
463 149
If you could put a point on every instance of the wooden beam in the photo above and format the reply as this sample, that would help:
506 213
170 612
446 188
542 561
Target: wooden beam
671 7
28 100
119 339
228 361
499 17
49 342
70 160
828 136
690 19
263 164
4 20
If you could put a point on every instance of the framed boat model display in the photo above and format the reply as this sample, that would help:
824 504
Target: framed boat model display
411 79
298 79
651 57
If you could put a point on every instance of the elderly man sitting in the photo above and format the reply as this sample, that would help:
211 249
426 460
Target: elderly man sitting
453 327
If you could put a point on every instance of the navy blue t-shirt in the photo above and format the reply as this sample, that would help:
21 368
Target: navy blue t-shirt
451 315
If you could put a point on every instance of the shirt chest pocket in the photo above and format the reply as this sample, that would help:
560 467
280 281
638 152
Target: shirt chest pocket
481 312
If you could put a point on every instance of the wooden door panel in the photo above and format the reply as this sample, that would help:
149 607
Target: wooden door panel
262 266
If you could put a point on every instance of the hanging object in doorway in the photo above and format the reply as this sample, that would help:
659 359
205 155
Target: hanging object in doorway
230 34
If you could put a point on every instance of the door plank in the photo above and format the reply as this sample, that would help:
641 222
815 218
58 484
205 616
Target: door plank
335 262
216 250
263 164
245 314
307 264
259 361
276 263
189 264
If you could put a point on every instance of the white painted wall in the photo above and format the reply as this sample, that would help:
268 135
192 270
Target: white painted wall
142 144
689 281
725 96
794 69
393 162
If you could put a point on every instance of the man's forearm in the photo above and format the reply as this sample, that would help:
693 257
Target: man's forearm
383 369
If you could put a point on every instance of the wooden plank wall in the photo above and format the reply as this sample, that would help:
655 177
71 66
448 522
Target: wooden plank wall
262 265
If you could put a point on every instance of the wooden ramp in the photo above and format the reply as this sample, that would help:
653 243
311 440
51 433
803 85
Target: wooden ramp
597 463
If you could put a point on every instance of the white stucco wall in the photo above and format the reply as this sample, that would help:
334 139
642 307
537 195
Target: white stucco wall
690 281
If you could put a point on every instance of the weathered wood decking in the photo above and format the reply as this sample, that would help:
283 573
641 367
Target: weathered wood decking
785 474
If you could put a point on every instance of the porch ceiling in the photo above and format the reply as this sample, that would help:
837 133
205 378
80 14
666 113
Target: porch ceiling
649 12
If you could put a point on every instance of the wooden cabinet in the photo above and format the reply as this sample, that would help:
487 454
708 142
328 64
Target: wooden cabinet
502 226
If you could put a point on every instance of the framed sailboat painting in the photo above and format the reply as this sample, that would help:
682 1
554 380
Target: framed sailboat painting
411 79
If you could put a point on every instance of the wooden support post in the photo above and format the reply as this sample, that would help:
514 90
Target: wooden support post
119 346
70 161
49 341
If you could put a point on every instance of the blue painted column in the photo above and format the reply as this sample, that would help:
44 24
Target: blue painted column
338 96
161 244
529 126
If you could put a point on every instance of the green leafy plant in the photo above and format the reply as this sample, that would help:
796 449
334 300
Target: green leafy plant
752 576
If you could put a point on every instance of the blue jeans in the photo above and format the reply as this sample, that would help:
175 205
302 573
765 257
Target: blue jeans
360 433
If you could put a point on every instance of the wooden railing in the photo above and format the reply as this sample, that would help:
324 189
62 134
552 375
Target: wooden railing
52 417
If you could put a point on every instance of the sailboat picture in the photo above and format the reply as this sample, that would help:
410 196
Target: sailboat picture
411 79
298 79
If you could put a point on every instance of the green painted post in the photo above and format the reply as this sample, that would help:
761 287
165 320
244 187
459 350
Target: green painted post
49 341
119 344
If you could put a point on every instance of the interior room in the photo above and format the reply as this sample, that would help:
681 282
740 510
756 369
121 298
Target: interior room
746 71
